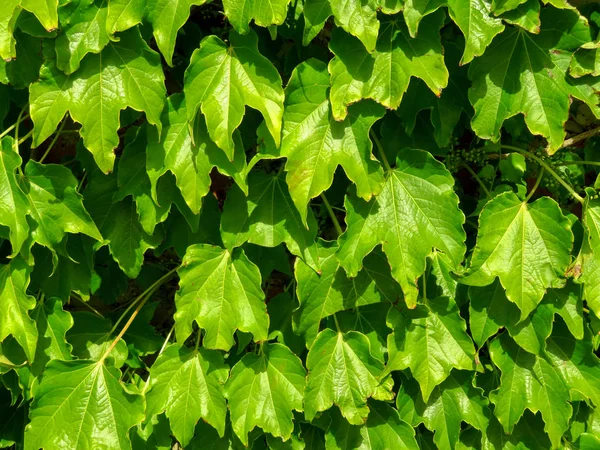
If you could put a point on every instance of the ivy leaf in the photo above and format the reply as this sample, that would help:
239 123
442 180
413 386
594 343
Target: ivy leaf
15 305
248 77
55 205
575 360
82 404
358 18
526 245
586 60
416 212
221 291
188 384
342 371
528 382
124 14
452 402
189 158
52 324
430 340
167 17
519 69
384 429
384 75
267 217
315 144
322 295
263 389
14 205
241 12
9 13
316 13
83 31
590 266
139 84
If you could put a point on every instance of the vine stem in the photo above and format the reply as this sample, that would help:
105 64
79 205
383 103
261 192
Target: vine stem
536 185
549 169
579 137
13 126
24 138
143 296
337 324
386 163
476 177
334 219
56 135
583 163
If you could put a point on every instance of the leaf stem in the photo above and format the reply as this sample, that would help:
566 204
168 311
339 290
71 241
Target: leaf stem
334 219
24 138
536 185
549 169
579 137
337 324
386 163
476 177
162 349
198 340
143 295
13 126
583 163
56 135
90 307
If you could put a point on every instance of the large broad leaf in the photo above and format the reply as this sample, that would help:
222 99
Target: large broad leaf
416 212
329 292
55 205
456 400
590 266
528 382
222 79
167 17
220 290
315 144
264 389
576 361
526 245
384 74
188 385
430 341
127 73
82 404
524 73
190 156
241 12
384 429
267 217
342 371
15 304
14 205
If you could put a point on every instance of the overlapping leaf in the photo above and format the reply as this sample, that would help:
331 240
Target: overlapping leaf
416 211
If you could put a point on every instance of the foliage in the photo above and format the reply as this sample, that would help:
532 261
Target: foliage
299 224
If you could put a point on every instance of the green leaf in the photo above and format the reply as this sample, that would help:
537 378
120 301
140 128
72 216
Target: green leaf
268 217
528 382
55 205
430 340
249 79
524 73
590 266
454 401
15 305
99 92
167 17
241 12
316 13
358 18
189 158
342 371
329 292
81 404
477 25
52 324
221 291
83 31
526 245
384 429
188 384
315 144
263 390
575 360
9 13
416 212
124 14
14 205
586 60
384 75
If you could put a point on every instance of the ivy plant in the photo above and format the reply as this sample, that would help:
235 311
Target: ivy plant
299 224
